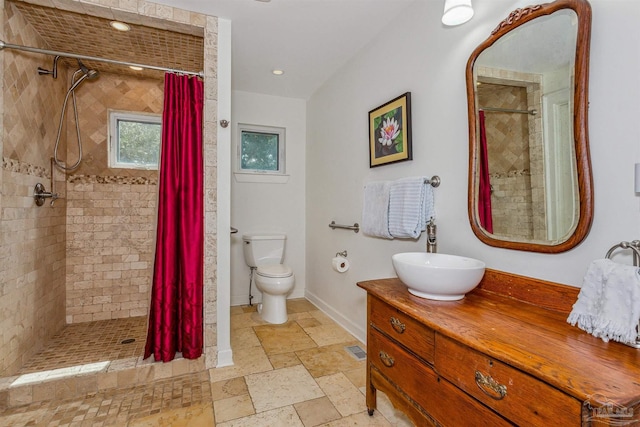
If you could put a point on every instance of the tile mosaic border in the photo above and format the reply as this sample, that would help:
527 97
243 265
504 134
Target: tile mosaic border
16 166
111 179
512 173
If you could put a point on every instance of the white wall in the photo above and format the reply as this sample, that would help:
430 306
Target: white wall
417 54
269 207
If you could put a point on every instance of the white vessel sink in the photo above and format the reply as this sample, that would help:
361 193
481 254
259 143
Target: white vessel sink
438 276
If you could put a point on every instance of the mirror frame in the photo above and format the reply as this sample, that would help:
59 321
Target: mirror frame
518 17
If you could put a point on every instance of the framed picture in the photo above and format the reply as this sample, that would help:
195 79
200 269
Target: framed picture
390 132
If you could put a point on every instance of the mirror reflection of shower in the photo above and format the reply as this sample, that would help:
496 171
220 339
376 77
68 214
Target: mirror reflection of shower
78 76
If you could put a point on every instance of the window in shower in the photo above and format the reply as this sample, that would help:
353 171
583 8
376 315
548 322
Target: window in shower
134 140
261 152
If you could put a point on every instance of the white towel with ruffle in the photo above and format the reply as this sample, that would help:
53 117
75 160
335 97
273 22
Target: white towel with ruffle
608 305
410 207
375 209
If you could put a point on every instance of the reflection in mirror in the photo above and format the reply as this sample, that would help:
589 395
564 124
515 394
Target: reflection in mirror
530 179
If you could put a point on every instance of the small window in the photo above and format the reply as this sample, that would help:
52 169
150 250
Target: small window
261 149
134 140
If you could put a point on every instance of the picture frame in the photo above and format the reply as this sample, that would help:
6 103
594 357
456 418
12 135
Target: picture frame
390 132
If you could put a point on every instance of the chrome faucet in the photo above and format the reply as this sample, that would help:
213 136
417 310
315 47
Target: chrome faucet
432 244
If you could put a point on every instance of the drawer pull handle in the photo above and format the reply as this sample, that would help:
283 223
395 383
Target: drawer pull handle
386 359
490 387
397 325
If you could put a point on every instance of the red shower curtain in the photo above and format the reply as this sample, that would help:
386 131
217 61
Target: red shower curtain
175 318
484 194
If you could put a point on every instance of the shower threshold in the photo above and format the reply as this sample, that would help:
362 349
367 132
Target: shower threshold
37 377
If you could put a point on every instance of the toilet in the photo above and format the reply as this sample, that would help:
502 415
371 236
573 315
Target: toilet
265 253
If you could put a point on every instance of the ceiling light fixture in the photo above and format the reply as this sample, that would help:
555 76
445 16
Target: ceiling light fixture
457 12
277 72
133 67
120 26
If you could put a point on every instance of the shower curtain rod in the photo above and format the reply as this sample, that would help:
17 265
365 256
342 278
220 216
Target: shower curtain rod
508 110
4 45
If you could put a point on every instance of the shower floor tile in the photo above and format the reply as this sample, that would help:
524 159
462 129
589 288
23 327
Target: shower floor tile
90 342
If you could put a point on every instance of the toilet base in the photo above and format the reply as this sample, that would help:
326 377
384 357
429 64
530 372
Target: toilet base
273 309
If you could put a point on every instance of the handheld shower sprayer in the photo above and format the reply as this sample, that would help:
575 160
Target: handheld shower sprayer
85 74
91 74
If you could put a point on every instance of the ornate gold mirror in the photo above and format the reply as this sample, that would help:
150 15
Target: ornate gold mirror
530 183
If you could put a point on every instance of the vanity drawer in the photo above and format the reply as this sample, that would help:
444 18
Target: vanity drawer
520 397
402 328
440 399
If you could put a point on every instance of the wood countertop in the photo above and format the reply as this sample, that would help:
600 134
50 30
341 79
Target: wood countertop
522 322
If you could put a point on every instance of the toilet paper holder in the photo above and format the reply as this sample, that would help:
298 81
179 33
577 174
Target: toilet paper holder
342 254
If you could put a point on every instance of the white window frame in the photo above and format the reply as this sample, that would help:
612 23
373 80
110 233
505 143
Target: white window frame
114 143
257 175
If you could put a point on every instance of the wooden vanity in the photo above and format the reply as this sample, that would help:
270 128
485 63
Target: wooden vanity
503 355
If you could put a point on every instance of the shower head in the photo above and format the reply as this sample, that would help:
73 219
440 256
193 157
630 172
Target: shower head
91 74
86 74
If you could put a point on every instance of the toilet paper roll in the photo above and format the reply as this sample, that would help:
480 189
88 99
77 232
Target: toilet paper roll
340 264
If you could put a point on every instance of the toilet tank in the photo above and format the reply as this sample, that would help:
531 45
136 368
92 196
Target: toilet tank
262 249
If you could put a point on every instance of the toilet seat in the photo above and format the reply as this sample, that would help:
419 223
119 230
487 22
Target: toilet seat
274 270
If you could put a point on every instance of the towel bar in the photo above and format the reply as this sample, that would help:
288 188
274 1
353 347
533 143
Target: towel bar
355 227
635 247
434 181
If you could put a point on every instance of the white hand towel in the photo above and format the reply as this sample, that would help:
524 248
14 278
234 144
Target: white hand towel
608 305
375 209
410 207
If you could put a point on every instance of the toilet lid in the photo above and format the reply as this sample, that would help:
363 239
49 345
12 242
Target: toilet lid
274 270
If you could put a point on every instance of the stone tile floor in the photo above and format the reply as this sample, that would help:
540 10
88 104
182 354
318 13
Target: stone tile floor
296 374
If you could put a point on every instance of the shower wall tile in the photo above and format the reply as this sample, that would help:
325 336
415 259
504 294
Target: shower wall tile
32 263
111 213
2 63
32 290
110 245
95 99
210 189
32 102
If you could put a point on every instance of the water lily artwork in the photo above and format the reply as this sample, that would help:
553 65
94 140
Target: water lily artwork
390 132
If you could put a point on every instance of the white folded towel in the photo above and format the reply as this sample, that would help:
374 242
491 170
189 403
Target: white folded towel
608 305
410 207
375 209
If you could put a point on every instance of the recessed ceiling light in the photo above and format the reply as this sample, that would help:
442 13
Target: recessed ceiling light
277 72
133 67
120 26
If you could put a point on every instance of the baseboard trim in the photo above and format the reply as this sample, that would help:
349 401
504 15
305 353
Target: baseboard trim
225 358
351 327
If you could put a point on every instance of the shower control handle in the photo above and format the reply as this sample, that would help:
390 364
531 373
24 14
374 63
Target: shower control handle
39 194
